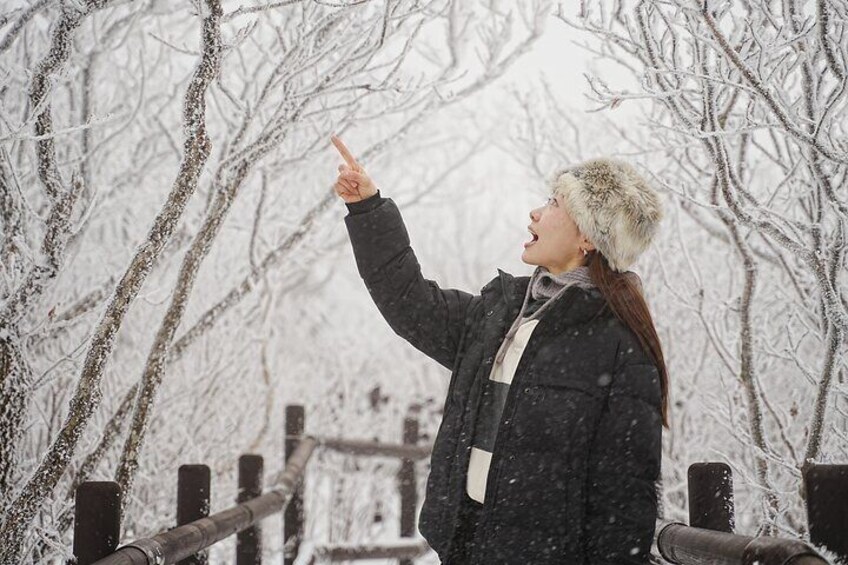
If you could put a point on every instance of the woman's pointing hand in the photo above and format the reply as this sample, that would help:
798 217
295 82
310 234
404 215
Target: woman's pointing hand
353 183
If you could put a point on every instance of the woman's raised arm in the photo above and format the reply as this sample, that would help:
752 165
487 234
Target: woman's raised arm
430 318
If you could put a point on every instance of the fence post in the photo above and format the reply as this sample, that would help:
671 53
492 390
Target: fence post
249 541
293 516
827 507
406 480
711 497
193 491
97 521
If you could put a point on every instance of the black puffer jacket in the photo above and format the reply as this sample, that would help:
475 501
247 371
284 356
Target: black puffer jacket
572 477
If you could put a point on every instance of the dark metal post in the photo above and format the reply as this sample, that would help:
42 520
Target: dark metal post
711 497
827 507
293 516
97 521
406 480
249 542
193 482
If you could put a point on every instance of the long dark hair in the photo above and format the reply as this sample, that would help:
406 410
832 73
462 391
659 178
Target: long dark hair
626 301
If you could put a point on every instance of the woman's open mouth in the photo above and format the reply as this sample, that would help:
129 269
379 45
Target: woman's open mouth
533 240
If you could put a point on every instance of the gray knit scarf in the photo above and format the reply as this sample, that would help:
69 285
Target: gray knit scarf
544 288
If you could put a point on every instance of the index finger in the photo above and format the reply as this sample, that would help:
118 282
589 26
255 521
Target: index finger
346 154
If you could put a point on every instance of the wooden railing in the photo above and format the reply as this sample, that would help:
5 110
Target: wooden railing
708 538
97 509
185 541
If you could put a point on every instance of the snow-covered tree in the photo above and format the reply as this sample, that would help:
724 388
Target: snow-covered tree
130 133
743 127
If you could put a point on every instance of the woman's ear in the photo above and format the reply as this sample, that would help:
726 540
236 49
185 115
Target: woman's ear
586 244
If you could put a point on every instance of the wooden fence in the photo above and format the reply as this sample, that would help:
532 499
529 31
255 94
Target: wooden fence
708 538
97 508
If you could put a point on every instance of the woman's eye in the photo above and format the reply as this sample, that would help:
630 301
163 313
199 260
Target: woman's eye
551 201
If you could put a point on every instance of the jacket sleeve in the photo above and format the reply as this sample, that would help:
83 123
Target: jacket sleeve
624 465
430 318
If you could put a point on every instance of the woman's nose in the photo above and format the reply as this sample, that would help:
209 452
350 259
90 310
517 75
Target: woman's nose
534 215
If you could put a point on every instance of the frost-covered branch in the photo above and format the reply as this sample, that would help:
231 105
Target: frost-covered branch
742 104
761 87
291 74
87 394
272 259
14 383
28 13
818 422
229 179
244 10
836 67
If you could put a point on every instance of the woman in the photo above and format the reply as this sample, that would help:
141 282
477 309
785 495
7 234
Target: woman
549 448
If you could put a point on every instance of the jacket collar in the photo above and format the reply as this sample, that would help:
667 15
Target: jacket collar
587 303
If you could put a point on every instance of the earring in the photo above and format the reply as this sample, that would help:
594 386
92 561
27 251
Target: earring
584 251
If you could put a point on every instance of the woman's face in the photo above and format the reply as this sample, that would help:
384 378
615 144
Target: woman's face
558 240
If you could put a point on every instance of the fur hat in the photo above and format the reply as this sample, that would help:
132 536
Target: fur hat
612 205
